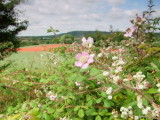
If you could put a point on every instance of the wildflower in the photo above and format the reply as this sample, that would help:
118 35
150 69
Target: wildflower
87 43
114 58
130 31
99 55
139 76
158 85
120 50
114 113
77 83
136 118
109 90
110 97
53 97
145 111
84 60
105 73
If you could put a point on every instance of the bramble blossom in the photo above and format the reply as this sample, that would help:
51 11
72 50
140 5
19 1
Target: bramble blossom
109 90
51 95
139 76
105 73
87 42
130 31
84 60
77 83
126 112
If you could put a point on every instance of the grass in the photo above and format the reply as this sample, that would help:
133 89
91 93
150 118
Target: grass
22 60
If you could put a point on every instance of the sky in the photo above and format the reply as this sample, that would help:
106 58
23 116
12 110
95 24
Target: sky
80 15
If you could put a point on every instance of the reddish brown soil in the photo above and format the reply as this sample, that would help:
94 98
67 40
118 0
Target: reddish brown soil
41 48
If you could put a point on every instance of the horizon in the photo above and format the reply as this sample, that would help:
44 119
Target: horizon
83 15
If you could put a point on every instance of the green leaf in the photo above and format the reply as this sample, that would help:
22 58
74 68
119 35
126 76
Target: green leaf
46 116
76 108
49 30
99 100
81 113
50 110
107 103
98 117
34 111
152 90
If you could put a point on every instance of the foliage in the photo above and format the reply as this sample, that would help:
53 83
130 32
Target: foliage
104 39
103 83
9 27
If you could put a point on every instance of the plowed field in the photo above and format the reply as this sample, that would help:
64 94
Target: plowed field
40 48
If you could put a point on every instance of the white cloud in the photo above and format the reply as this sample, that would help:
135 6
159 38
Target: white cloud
116 2
70 15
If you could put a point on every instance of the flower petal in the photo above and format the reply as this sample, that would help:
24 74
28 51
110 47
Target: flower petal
90 59
84 66
78 56
90 40
84 40
78 64
85 54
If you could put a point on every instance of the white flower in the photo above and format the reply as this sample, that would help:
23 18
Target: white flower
114 58
126 109
80 88
145 111
118 69
99 55
110 97
115 79
109 90
77 83
158 85
87 42
136 118
130 107
92 55
125 113
141 87
148 108
114 64
122 109
125 80
130 113
120 62
53 97
105 73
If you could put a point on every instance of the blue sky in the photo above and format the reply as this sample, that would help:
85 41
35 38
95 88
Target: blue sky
71 15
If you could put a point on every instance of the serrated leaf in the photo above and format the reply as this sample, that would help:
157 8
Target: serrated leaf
81 113
153 90
34 111
98 117
99 100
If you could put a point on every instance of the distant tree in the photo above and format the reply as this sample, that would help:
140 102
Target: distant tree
10 26
111 28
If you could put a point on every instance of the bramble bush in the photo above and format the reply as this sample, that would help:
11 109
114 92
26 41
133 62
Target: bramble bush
91 83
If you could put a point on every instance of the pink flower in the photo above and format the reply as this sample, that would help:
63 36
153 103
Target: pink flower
120 50
53 97
130 31
88 42
84 60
